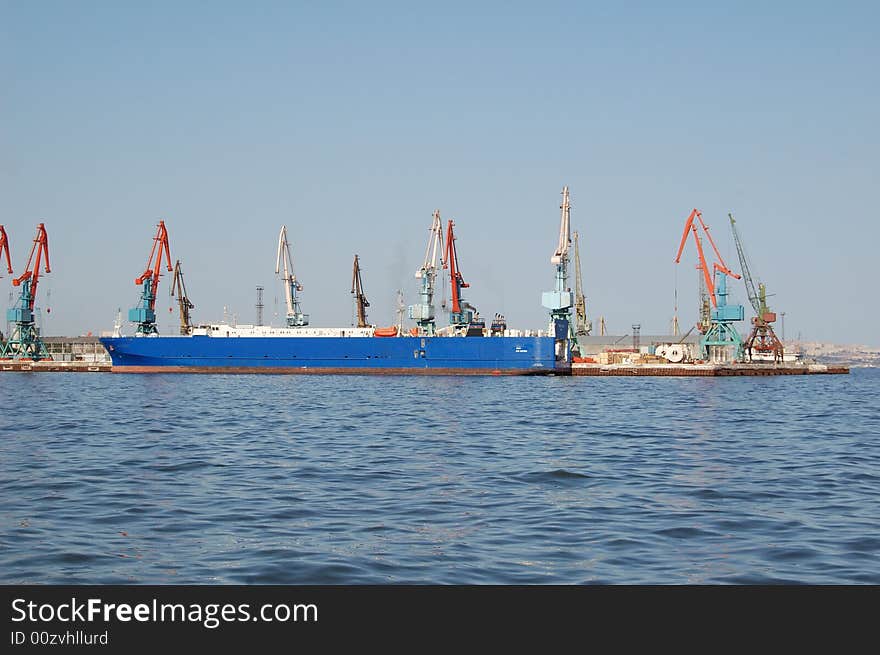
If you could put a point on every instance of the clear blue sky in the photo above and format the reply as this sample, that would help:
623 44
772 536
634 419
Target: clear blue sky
351 122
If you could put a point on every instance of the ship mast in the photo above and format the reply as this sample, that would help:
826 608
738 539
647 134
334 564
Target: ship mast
292 287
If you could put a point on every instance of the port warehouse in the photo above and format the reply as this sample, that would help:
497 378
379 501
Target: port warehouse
90 349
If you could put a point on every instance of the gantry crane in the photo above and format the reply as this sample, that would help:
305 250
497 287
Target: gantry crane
292 287
762 338
25 342
719 335
178 288
145 314
583 325
357 290
423 313
462 314
560 300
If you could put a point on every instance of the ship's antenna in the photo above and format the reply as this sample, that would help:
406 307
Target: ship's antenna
117 325
400 310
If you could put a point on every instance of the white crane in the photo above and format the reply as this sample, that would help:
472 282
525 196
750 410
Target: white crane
292 287
560 300
561 254
423 313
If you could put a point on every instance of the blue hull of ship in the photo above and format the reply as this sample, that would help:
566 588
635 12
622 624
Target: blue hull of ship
475 355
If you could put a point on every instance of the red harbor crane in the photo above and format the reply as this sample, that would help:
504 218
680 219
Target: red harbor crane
716 323
25 342
462 314
145 314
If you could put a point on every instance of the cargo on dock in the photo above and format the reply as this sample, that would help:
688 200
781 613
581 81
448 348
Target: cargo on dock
704 370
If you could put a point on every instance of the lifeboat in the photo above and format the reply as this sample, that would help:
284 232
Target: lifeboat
386 331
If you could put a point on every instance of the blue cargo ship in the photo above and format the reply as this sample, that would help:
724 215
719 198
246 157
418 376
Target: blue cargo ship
464 346
257 349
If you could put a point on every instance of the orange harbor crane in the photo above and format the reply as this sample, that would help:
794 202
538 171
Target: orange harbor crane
462 314
716 323
145 314
25 342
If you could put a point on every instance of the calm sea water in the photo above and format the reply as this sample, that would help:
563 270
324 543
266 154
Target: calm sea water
324 479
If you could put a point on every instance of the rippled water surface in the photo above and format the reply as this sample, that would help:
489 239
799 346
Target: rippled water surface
324 479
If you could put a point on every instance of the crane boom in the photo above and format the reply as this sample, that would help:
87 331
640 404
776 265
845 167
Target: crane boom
718 266
4 249
450 261
751 290
561 252
434 247
357 290
153 269
583 324
178 288
40 247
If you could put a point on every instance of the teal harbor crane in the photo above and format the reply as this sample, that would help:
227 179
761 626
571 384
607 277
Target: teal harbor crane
25 342
144 315
721 341
561 299
423 312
